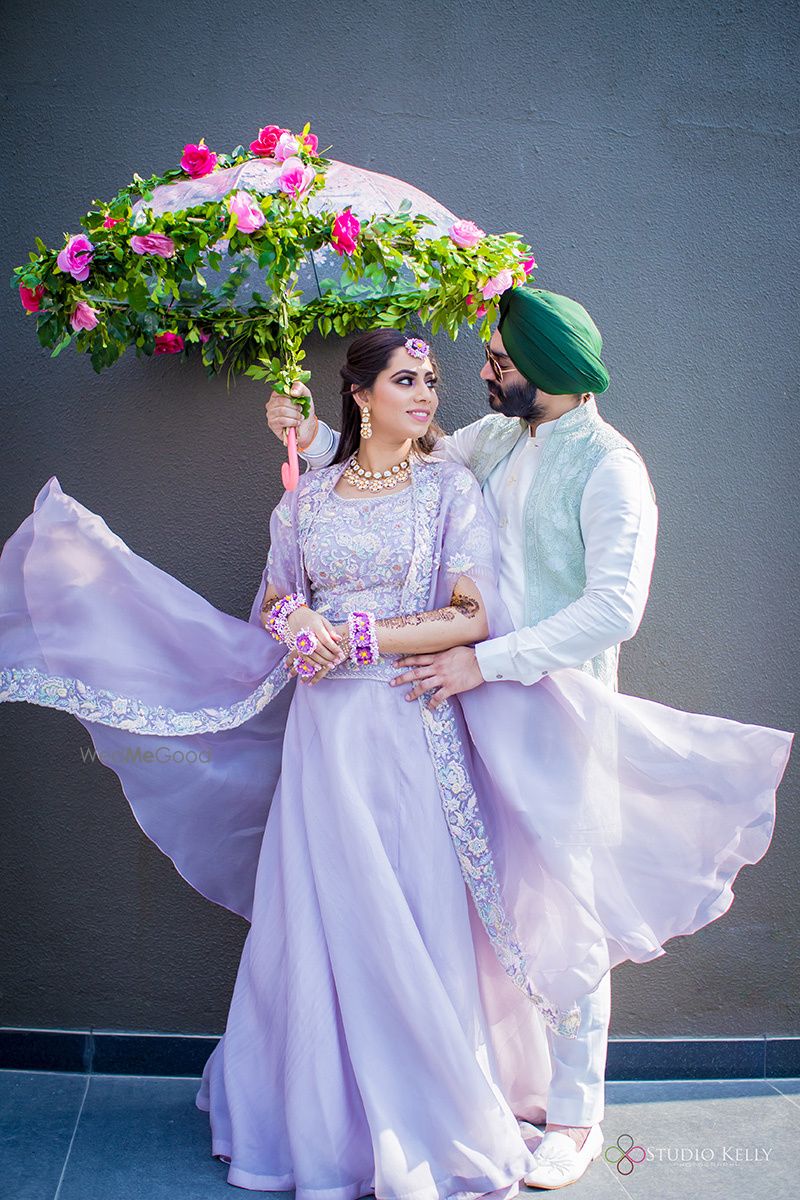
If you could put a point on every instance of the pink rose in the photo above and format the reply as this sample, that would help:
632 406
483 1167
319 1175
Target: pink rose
311 144
480 311
529 265
249 216
30 297
295 179
76 256
346 229
465 234
168 343
110 222
286 147
153 243
497 284
83 316
267 140
198 160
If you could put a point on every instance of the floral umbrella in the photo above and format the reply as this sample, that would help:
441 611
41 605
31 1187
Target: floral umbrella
169 262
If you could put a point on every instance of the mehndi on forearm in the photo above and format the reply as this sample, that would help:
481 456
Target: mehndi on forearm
462 622
267 604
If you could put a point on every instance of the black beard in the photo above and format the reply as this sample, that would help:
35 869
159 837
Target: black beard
516 400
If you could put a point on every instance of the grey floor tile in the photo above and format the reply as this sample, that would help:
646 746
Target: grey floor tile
142 1138
789 1088
712 1138
38 1114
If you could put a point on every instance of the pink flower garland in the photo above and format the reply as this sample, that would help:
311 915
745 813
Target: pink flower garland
83 316
198 160
76 257
168 343
296 178
153 243
344 237
31 297
465 234
247 210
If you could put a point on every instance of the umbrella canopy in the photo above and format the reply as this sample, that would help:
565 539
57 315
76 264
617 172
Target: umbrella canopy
242 255
336 247
366 194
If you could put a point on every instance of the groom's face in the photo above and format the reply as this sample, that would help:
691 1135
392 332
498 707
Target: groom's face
512 395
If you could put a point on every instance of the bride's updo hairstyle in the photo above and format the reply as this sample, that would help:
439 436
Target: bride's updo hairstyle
367 356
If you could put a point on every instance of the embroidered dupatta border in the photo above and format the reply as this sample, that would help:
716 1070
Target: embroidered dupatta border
126 712
105 707
459 801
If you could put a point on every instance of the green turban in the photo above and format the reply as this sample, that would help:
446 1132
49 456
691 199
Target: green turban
552 341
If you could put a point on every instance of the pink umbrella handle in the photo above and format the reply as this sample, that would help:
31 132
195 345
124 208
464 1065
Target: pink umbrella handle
290 471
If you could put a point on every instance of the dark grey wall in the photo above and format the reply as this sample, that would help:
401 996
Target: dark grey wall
647 153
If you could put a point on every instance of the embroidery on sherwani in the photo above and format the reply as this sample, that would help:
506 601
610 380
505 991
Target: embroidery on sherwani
459 801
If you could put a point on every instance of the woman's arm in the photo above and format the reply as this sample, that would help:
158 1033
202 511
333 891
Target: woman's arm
462 623
328 652
268 603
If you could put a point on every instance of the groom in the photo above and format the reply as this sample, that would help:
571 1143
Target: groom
577 519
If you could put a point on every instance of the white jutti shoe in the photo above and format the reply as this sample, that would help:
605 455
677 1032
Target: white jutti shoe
560 1162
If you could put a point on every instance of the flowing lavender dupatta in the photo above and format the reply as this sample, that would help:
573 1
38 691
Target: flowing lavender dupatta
590 826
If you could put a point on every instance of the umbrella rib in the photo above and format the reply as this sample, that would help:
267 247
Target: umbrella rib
310 254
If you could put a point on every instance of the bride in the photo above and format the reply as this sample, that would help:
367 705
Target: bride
428 888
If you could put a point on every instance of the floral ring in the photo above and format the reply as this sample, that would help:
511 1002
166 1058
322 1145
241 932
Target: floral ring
305 641
305 669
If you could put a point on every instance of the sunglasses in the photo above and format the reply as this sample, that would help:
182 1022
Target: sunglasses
497 370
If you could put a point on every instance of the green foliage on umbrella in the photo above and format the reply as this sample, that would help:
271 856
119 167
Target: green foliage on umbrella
166 265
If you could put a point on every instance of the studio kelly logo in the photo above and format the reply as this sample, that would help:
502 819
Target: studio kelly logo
624 1155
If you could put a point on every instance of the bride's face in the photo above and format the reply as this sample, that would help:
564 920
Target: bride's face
402 400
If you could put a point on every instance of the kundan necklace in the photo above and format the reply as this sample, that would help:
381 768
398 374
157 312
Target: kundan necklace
375 481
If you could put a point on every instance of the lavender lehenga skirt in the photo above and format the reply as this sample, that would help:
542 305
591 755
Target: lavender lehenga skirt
414 927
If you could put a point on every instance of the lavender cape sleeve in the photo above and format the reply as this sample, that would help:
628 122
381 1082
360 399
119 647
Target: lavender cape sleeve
153 671
615 822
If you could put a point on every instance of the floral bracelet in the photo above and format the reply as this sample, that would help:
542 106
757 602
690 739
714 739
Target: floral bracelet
277 620
363 638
